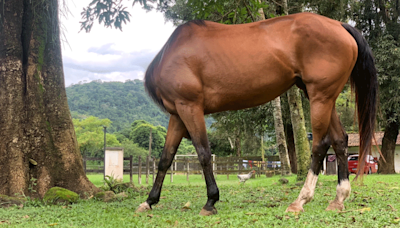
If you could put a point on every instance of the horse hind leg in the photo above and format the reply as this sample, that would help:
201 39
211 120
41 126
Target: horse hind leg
176 131
193 117
321 143
340 145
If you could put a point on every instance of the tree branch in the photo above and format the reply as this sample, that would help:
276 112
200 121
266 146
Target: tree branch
279 4
222 17
249 11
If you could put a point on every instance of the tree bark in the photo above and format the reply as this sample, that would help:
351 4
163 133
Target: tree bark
38 148
388 148
238 146
291 147
299 131
280 137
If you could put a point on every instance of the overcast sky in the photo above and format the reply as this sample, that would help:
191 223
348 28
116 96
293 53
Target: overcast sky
109 54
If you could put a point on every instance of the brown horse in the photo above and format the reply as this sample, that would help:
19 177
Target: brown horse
207 67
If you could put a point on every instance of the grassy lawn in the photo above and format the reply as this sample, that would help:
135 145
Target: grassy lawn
260 202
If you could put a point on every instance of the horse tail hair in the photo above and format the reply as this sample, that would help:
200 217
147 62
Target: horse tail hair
364 82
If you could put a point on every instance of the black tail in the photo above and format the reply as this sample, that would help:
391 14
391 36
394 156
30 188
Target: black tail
365 82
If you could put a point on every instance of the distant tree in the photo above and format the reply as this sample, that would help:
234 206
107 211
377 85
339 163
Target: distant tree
133 149
345 107
186 147
387 55
379 21
123 134
140 134
219 144
90 136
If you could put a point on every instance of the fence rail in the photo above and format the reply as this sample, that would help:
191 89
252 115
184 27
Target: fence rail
187 166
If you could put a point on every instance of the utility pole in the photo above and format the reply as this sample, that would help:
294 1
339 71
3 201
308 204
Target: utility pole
148 159
105 144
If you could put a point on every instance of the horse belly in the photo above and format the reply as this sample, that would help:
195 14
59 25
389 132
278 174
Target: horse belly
246 93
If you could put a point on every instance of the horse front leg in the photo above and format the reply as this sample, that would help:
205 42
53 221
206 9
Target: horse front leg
176 131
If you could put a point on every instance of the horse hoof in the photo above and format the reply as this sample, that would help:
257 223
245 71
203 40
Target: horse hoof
335 206
294 208
204 212
143 207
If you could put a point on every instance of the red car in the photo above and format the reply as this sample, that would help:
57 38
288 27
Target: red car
371 164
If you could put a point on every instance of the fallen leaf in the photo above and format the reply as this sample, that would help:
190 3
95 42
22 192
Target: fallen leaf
187 204
176 223
365 209
150 215
327 194
249 213
136 215
53 224
217 222
163 197
186 207
26 216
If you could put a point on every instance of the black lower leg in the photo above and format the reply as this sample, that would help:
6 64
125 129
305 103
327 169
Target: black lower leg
212 189
165 163
340 147
319 153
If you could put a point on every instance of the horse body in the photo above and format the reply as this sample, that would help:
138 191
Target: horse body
207 67
235 67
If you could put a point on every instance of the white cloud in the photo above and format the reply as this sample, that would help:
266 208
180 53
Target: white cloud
109 54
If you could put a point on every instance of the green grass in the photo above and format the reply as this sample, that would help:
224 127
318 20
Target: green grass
260 202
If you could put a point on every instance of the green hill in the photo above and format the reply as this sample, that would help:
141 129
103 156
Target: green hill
121 102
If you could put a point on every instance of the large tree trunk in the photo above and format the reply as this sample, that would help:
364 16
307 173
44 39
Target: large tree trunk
38 142
388 148
280 137
299 131
291 147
